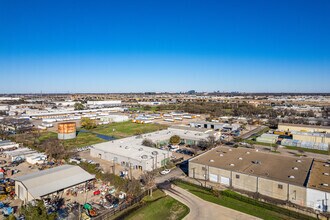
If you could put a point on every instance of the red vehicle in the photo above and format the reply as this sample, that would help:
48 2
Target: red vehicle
97 192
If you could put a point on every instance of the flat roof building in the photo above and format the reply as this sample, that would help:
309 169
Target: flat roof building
318 189
252 162
303 128
130 152
275 176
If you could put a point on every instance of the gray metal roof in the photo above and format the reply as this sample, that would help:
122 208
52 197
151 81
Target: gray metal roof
52 180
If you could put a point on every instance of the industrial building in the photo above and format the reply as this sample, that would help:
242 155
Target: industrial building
303 128
131 153
268 138
215 125
311 136
6 145
45 183
305 144
318 190
58 114
274 176
105 103
113 118
24 153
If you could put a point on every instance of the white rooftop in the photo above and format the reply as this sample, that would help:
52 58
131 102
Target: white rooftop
132 146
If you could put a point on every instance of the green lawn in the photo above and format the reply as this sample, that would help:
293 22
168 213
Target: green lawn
118 130
163 208
126 129
47 135
82 140
246 205
157 207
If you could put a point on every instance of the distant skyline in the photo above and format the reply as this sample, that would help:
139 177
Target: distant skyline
164 46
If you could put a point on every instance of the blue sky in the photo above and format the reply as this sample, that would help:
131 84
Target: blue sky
164 45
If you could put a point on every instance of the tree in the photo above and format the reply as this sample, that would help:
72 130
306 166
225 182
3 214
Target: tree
175 139
78 106
88 123
203 144
133 187
37 211
55 149
148 143
211 141
194 148
3 133
148 179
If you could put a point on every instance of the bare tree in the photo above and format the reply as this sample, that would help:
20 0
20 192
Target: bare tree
54 149
194 148
148 179
148 143
134 187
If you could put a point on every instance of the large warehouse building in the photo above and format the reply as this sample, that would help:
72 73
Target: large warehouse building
274 176
131 153
52 181
311 137
303 128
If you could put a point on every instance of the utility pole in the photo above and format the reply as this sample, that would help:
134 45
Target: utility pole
205 174
130 170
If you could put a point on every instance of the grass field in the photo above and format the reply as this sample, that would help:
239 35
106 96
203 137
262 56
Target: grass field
82 139
118 130
163 207
126 129
246 205
157 207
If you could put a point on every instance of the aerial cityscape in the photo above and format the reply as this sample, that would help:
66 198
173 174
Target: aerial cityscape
155 110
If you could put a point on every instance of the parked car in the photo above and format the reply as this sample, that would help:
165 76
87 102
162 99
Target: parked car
166 171
73 160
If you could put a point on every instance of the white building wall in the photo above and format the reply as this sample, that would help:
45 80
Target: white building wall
22 193
317 199
114 118
146 164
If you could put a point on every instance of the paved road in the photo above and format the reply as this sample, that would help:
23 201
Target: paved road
176 172
252 132
201 209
